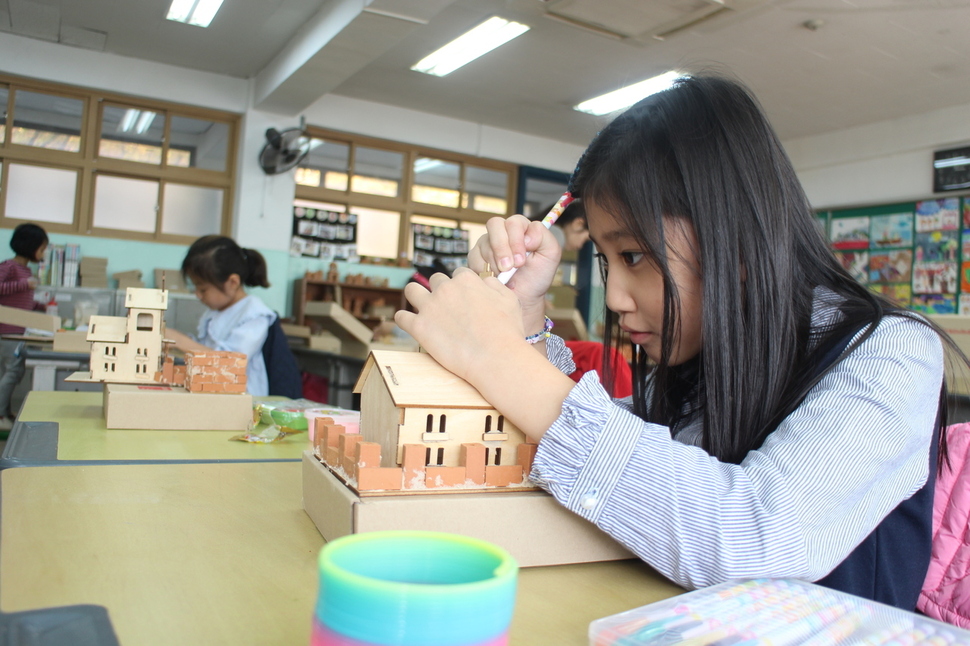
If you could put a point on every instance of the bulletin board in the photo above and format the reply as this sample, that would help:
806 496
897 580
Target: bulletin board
448 245
323 234
916 254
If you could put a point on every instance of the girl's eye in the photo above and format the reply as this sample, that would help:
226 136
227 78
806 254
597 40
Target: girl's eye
631 258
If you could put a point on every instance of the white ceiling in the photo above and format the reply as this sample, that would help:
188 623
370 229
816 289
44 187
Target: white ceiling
866 60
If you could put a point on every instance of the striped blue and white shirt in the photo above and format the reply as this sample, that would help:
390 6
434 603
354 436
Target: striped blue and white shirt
855 448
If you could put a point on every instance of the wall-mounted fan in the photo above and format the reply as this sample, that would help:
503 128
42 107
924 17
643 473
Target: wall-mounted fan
284 149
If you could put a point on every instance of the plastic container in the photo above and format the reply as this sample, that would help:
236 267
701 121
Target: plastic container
770 612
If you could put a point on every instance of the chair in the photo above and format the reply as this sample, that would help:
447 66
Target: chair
282 371
588 355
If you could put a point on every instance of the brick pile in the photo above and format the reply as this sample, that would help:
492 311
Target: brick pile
215 372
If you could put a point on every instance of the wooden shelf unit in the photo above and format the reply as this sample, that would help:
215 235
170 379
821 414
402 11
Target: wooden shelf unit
359 300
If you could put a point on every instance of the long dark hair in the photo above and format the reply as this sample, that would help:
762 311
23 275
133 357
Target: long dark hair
703 151
213 259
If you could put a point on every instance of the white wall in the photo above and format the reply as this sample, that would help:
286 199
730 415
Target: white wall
879 163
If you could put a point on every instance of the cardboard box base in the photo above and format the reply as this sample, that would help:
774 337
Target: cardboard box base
171 408
531 525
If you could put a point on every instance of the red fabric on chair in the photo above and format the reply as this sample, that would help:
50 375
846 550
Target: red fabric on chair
588 355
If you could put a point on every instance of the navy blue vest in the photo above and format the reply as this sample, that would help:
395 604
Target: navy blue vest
889 566
282 371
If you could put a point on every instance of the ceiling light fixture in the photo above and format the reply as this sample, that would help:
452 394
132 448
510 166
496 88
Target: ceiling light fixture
144 122
194 12
474 43
128 120
626 96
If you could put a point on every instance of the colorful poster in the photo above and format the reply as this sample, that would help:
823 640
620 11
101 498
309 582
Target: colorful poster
966 213
935 303
935 278
850 233
964 309
900 294
938 215
891 266
887 231
856 263
937 246
965 277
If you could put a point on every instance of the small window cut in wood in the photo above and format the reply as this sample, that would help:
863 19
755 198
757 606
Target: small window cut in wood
488 423
430 426
441 424
498 457
441 457
145 322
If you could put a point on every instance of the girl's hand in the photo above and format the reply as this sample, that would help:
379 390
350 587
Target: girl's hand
184 342
463 320
509 243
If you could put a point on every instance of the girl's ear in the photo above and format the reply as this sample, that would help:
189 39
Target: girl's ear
232 284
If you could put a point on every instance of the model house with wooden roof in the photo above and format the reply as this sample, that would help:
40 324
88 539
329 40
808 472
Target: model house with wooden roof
129 349
422 426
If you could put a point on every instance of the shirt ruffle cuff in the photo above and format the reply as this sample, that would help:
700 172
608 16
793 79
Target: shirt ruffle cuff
565 448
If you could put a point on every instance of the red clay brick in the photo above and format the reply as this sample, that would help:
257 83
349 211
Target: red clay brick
436 477
368 454
413 463
503 476
525 453
472 457
379 478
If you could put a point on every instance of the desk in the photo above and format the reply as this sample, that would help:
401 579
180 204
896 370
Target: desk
225 554
80 437
341 373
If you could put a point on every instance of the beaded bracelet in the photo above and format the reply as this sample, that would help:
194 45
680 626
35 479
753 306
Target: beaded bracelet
539 336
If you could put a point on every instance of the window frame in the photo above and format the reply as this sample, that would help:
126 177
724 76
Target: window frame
403 203
88 164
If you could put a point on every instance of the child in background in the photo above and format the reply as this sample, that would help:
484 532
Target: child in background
570 229
784 419
17 284
220 270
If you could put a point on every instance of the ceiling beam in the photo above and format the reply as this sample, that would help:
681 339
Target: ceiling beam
340 40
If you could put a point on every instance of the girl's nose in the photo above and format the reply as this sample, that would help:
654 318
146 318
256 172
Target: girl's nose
618 297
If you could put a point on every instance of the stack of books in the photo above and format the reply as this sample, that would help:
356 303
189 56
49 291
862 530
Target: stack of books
94 272
59 267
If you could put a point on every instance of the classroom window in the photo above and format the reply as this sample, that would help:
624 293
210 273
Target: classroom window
4 97
327 165
198 143
191 210
420 186
40 193
131 134
436 181
174 163
43 120
377 172
486 190
125 204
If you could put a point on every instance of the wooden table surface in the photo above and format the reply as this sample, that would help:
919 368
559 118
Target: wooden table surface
82 435
223 553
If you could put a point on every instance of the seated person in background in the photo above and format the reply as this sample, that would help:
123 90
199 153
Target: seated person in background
570 229
220 271
17 284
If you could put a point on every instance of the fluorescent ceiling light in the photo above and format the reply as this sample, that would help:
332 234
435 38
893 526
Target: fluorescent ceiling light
128 120
144 122
951 161
482 39
194 12
626 96
424 164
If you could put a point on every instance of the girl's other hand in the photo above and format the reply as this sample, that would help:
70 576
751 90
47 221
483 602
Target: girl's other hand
509 243
463 321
